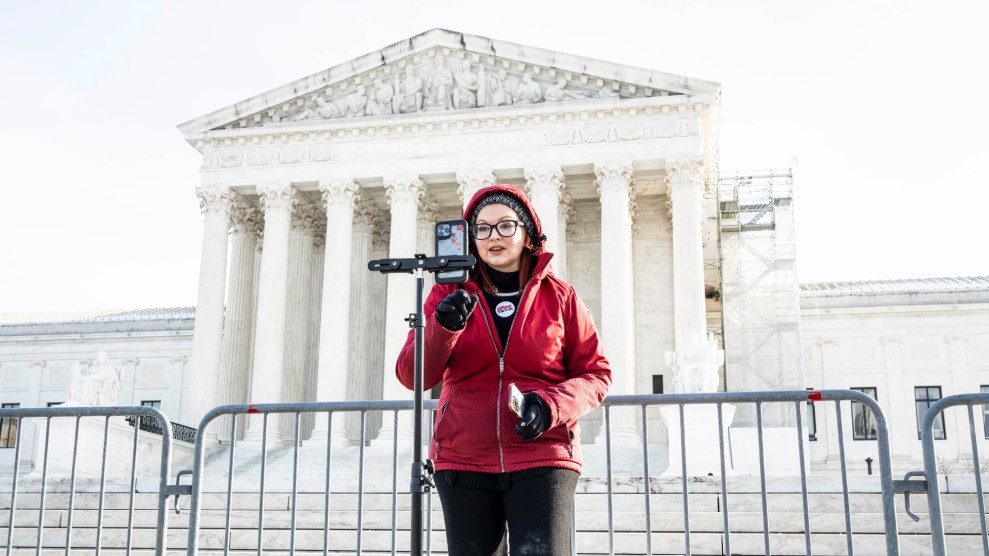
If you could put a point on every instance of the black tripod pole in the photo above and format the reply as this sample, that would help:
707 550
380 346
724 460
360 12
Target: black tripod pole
422 470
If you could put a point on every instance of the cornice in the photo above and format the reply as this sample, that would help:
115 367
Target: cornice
454 48
509 118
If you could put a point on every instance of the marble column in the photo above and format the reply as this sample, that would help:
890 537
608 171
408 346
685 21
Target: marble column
277 201
696 361
685 179
215 203
334 347
378 286
404 196
235 374
316 298
363 306
544 185
468 182
297 309
615 187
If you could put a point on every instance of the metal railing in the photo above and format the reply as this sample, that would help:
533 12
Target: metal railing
319 478
59 459
931 467
321 491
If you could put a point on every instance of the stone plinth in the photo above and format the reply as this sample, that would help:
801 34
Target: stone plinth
119 437
780 448
700 428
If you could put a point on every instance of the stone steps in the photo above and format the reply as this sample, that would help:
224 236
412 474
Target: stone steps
628 523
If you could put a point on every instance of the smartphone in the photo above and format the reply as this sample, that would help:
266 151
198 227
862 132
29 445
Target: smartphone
451 239
515 400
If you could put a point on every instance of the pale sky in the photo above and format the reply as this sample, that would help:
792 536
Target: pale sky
881 103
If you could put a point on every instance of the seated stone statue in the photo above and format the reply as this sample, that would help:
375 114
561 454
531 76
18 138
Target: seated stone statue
96 385
380 102
695 367
440 88
499 92
326 110
529 91
409 97
465 89
356 103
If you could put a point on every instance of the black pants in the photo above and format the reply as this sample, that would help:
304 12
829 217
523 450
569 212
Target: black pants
537 510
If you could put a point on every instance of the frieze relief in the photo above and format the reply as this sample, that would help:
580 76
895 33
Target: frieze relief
577 134
429 82
266 157
590 134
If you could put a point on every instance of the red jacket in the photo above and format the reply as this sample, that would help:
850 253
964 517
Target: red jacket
552 350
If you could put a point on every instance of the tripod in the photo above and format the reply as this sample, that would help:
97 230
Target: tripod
422 471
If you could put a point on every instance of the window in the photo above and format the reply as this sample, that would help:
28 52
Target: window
657 384
925 397
53 404
811 421
863 421
985 412
8 427
151 403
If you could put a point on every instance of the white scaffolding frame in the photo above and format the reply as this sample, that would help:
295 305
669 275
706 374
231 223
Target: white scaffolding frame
760 294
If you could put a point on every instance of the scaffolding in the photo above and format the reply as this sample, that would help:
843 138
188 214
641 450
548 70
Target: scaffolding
759 288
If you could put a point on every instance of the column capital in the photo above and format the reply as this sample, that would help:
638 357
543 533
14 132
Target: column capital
246 219
366 213
338 192
407 189
429 210
470 181
319 230
304 218
567 214
215 200
278 196
546 178
684 173
614 178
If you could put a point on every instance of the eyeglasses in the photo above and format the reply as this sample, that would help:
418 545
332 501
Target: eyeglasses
506 228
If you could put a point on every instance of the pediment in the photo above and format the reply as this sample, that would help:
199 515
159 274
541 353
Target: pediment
440 71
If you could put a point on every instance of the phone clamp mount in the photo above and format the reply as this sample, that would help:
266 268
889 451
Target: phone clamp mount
422 471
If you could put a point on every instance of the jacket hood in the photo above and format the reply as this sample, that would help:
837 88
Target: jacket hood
517 194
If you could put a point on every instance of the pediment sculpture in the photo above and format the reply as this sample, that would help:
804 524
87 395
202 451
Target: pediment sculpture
443 85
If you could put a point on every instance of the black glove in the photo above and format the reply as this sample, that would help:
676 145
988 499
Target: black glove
535 417
453 311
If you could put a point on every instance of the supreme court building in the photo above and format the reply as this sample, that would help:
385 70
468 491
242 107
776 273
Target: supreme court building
302 185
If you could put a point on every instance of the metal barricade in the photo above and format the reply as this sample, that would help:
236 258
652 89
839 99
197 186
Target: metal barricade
267 494
63 455
759 401
333 473
936 512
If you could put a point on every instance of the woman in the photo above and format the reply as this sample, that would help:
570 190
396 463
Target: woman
513 323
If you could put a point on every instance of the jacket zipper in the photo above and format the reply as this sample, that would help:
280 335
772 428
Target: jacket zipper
501 370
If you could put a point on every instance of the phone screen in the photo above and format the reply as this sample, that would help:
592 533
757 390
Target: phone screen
451 239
